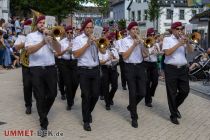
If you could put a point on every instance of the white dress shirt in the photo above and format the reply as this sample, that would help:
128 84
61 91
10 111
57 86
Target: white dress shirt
65 44
104 57
44 56
153 51
90 57
177 58
136 55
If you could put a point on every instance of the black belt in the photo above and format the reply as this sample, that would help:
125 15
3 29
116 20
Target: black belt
43 67
88 68
176 67
134 64
107 66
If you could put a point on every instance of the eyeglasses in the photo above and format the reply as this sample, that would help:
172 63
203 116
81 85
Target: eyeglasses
69 32
179 29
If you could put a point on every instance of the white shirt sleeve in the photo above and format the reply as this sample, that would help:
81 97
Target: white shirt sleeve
29 41
166 44
123 47
77 43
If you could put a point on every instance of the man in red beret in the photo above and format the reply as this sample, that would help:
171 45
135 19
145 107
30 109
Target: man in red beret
84 49
68 66
133 52
176 70
41 48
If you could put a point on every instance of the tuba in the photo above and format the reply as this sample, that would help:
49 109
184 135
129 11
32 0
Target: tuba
24 58
35 14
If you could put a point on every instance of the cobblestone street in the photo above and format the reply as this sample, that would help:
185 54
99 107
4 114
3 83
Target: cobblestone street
154 123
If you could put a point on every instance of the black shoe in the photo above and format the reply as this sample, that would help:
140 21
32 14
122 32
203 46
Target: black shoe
134 123
148 104
68 107
28 110
174 120
63 97
124 88
87 127
128 108
178 114
42 132
101 97
108 108
90 119
111 102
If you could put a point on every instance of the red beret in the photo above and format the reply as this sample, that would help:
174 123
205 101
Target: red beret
87 20
68 28
175 24
106 29
40 18
150 31
132 24
27 22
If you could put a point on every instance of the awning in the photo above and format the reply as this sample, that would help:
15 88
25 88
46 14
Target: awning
201 18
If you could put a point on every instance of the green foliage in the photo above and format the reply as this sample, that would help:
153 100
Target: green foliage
58 8
153 10
121 24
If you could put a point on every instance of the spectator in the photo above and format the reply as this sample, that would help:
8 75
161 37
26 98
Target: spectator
17 26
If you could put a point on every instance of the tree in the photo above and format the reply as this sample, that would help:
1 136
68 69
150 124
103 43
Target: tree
154 12
58 8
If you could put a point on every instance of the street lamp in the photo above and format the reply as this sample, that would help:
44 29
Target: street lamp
172 12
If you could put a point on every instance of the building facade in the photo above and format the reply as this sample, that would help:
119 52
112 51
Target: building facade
4 9
119 9
170 11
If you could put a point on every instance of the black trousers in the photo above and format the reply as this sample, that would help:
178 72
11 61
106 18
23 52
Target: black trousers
109 77
90 87
136 76
68 70
61 86
152 80
122 71
27 86
44 80
177 86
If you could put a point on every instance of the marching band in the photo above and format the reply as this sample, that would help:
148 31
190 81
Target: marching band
91 62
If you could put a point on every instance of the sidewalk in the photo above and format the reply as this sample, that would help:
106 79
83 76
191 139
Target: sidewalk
154 123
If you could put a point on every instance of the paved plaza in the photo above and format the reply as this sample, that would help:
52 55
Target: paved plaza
154 123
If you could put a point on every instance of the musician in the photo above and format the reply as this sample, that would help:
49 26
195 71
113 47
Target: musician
27 83
109 59
133 52
40 47
150 63
176 70
117 44
68 67
84 49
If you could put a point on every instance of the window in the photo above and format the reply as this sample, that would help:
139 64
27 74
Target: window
139 1
194 12
145 0
145 14
132 15
181 14
139 16
168 14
